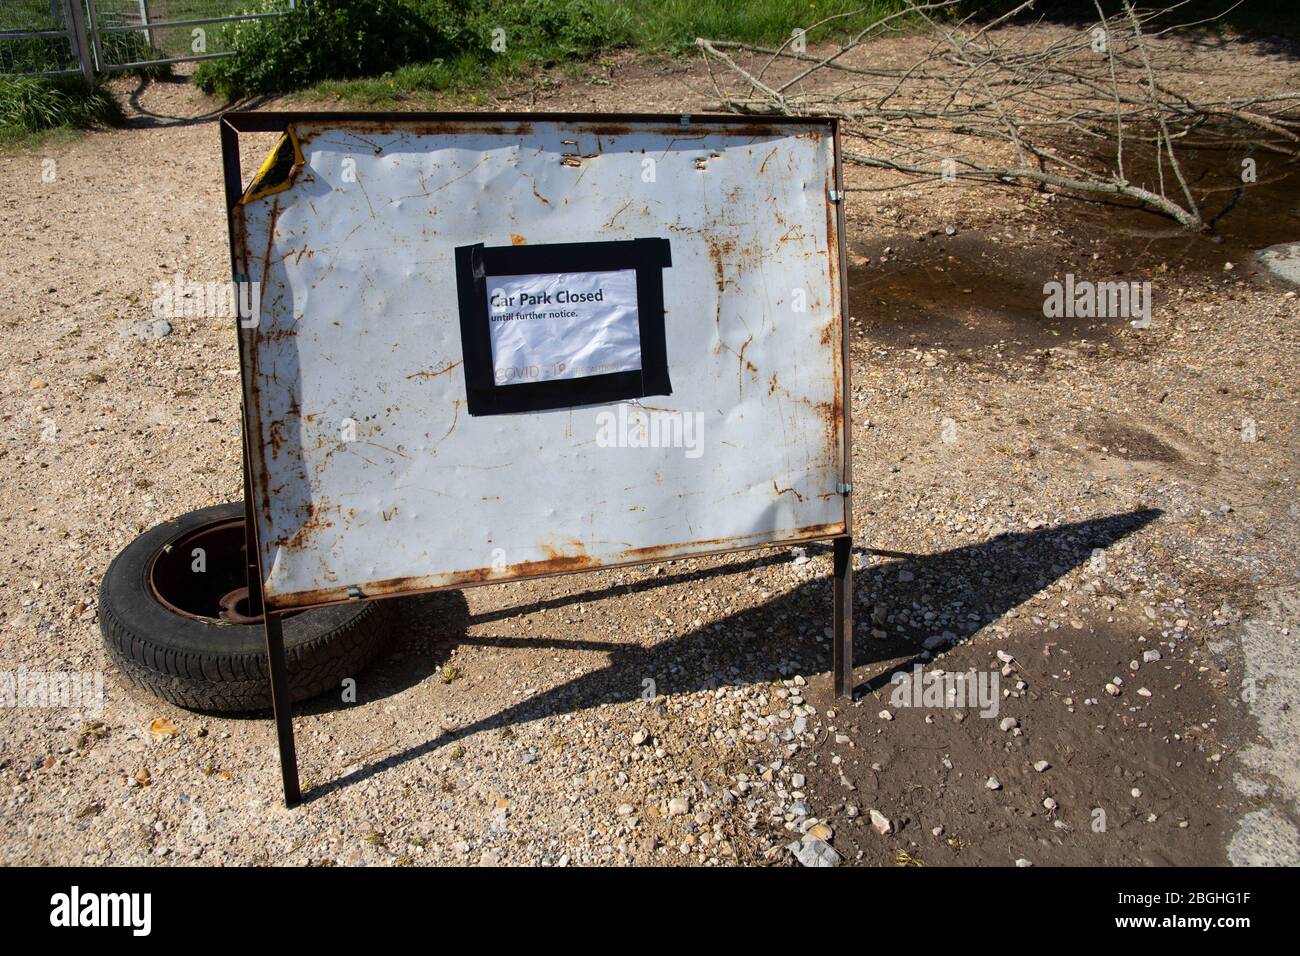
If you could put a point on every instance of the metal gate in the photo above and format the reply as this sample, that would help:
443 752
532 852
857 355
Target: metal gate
67 37
44 38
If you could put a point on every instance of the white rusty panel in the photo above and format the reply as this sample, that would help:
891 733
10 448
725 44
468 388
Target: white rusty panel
359 322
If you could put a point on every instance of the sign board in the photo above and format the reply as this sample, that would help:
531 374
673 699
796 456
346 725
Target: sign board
486 347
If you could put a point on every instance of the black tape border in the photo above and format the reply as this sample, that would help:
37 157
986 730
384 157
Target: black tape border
649 257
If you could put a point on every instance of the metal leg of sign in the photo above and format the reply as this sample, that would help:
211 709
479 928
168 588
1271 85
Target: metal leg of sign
282 707
274 628
252 572
842 619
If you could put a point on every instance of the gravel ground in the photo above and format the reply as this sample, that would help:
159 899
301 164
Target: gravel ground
1067 506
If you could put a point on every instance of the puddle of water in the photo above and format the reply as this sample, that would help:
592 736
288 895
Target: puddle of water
1245 217
970 292
982 293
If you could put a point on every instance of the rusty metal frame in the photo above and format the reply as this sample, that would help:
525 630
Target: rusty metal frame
842 615
235 122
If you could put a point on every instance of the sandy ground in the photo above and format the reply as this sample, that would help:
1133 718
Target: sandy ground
1062 504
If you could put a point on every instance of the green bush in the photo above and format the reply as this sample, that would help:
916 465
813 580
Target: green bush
557 29
33 104
448 39
332 39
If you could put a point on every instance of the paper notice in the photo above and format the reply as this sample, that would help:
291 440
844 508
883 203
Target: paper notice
563 325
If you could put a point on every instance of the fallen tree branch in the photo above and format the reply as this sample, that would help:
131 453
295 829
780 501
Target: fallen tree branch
1079 112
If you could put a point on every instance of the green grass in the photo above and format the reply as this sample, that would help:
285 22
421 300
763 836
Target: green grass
26 15
672 25
32 109
460 74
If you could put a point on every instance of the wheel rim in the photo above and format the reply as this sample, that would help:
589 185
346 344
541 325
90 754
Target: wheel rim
217 592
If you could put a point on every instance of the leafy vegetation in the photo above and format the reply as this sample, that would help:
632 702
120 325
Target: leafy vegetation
378 51
327 39
31 105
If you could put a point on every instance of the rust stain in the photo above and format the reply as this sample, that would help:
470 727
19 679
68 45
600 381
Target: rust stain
621 209
718 249
455 420
835 420
562 563
570 556
517 240
699 127
785 491
610 129
559 562
278 436
661 551
314 523
832 414
745 364
425 127
792 233
434 373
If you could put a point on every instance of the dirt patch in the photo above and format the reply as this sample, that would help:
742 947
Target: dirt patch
1132 443
1132 780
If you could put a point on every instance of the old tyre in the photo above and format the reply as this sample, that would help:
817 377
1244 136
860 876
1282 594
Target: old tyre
184 634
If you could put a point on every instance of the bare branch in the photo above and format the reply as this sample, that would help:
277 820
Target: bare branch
1075 110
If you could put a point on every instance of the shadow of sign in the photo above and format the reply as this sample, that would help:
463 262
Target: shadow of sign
987 579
